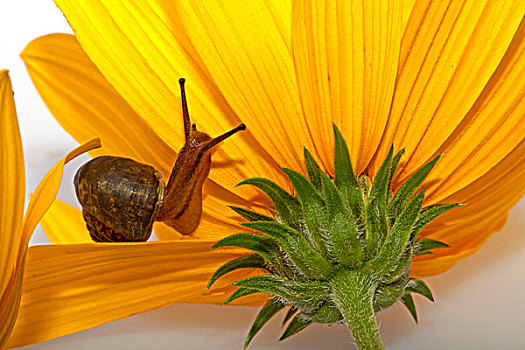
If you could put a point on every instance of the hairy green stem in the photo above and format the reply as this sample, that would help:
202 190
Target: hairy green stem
353 293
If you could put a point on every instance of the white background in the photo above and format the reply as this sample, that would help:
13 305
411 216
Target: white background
480 303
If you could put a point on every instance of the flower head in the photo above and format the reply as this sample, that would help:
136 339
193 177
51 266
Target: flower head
443 77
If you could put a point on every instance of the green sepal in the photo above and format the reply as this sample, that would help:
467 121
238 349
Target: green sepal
328 313
398 238
248 261
267 312
408 301
426 245
430 213
264 246
375 212
301 253
297 324
250 215
239 293
409 187
387 294
313 209
342 227
305 296
288 208
364 185
399 269
314 172
344 176
395 163
289 314
416 285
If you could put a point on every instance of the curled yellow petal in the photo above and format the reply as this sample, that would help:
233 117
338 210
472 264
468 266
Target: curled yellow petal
12 195
69 288
40 201
47 190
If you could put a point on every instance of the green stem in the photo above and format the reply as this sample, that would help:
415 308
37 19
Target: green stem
353 294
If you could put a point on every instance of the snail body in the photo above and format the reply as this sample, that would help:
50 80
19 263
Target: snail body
122 198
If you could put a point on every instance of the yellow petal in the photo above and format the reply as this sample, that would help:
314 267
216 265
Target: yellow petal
142 51
346 55
87 106
450 51
493 127
408 6
12 182
63 223
16 237
47 190
9 302
246 50
12 195
69 288
488 200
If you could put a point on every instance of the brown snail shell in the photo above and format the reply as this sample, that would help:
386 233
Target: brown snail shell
122 198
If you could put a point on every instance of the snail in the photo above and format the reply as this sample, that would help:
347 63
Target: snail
121 198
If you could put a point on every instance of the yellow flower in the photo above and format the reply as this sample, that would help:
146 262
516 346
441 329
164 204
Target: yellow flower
15 227
442 78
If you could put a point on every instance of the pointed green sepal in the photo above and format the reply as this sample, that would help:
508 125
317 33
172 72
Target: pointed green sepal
328 313
387 294
289 314
342 227
408 301
313 209
400 269
306 296
314 172
239 293
345 179
301 253
250 261
250 215
288 208
264 246
297 324
416 285
397 240
409 187
395 163
375 212
430 213
426 245
267 312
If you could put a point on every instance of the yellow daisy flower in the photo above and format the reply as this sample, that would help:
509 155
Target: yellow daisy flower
443 77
